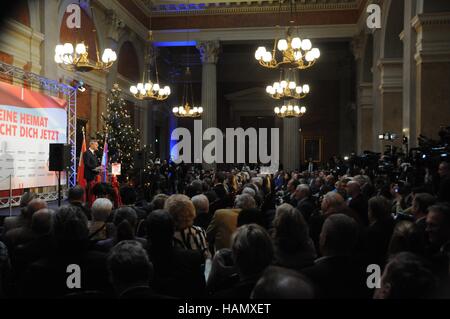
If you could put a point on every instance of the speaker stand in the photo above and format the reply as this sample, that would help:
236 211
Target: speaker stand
59 189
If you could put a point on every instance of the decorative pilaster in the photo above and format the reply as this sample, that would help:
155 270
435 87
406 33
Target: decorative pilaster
391 90
432 72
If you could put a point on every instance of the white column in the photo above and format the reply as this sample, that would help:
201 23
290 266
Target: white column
291 143
209 53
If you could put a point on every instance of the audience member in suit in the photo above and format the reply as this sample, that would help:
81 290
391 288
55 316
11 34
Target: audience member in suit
292 245
224 222
282 283
76 197
130 271
24 234
124 221
12 222
380 230
304 203
444 186
289 196
332 203
202 215
407 276
47 277
420 205
338 274
358 202
252 252
251 216
219 188
178 272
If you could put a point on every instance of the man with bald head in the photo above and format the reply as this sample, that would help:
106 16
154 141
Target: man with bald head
357 201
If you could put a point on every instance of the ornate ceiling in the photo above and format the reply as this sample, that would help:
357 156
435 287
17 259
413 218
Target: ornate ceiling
206 14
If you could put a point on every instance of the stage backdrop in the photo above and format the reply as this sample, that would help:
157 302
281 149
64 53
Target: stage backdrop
29 122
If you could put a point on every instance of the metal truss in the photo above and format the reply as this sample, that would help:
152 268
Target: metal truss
52 88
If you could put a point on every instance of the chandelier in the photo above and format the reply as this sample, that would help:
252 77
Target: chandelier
77 60
290 111
187 109
147 89
287 87
75 57
289 51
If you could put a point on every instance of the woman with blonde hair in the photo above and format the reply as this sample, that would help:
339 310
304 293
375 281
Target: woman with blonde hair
186 235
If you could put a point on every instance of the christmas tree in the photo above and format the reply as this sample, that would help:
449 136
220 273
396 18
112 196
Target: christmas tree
123 139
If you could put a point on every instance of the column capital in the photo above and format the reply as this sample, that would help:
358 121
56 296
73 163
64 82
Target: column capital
115 26
433 37
209 51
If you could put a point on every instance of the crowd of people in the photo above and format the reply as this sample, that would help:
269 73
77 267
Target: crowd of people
235 234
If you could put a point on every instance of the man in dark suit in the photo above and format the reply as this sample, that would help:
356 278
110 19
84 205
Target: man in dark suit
338 274
91 168
304 203
357 201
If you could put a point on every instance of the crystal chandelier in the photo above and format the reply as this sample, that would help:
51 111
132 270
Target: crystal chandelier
75 57
289 111
289 51
147 89
187 109
287 87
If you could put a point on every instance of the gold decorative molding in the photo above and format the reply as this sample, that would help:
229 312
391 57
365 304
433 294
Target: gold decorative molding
245 7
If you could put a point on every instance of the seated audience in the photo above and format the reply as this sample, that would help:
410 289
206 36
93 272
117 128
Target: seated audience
358 202
47 277
304 203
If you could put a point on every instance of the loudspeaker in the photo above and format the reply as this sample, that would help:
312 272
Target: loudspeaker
139 159
59 157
